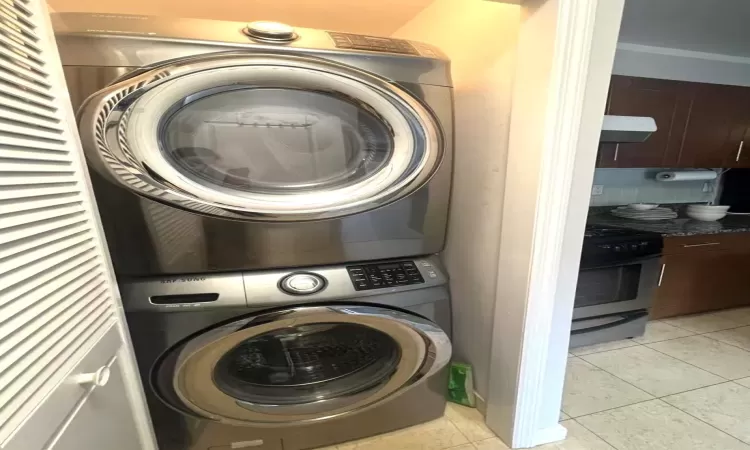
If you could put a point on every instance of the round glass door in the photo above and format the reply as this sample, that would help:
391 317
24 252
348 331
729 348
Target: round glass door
259 137
308 363
302 364
276 140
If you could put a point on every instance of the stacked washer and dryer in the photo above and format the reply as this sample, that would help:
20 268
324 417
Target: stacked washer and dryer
273 200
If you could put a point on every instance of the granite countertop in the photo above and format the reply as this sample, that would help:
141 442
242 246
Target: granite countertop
682 226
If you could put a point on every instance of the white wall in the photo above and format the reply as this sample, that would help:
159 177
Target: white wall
379 18
480 37
673 64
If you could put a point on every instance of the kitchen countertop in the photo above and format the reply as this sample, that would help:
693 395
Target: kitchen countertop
682 226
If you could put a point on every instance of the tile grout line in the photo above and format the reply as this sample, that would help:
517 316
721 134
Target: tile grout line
690 364
600 437
701 420
469 441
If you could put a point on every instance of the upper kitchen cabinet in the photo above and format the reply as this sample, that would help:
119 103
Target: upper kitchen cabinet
668 102
716 128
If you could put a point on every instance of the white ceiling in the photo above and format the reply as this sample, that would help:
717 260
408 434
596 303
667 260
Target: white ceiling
381 17
713 26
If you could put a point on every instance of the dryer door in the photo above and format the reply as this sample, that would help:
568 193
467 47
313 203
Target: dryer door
301 365
261 137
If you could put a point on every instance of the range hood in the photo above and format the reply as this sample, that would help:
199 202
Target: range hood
627 128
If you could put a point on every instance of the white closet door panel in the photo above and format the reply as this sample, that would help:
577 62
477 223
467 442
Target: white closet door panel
59 307
48 424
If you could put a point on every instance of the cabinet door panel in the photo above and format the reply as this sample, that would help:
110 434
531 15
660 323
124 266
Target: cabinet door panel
716 126
701 282
667 101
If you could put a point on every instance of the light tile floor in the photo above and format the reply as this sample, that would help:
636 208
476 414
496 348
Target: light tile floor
684 385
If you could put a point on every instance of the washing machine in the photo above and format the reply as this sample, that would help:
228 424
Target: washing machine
290 360
226 146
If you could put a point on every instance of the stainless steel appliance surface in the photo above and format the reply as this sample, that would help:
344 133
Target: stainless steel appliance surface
291 359
224 146
620 270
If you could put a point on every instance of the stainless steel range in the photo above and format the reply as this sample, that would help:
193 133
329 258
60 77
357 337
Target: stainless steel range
620 270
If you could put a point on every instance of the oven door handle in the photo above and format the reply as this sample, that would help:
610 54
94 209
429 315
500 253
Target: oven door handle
625 318
626 262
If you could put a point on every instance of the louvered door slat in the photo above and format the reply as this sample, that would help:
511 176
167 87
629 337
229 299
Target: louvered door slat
60 232
26 275
20 116
16 300
30 191
16 153
20 165
43 302
19 93
19 26
28 217
58 298
33 231
16 358
25 129
20 264
39 203
7 75
20 6
35 178
23 104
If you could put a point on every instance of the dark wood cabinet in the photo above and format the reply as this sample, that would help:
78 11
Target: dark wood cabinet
699 125
703 273
716 126
668 102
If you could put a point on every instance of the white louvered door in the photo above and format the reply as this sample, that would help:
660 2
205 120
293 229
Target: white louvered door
61 320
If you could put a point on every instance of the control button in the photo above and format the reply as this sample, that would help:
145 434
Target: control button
431 274
302 283
270 31
425 264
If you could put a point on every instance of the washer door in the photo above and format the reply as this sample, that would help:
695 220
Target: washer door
301 365
261 137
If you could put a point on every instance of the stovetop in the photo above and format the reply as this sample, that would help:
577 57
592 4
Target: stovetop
613 245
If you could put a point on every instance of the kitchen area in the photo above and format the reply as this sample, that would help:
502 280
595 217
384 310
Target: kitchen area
660 341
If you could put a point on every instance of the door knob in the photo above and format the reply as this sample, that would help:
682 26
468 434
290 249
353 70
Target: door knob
98 378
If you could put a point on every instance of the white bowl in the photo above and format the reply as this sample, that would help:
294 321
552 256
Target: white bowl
707 208
705 215
642 206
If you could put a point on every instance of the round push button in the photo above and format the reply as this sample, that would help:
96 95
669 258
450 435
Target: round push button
270 31
302 283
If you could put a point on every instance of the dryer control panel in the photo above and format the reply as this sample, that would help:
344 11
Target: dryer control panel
376 276
372 43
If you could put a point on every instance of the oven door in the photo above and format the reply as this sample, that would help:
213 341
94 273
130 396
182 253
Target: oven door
301 364
611 289
261 137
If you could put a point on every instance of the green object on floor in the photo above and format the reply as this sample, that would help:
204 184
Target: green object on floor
461 384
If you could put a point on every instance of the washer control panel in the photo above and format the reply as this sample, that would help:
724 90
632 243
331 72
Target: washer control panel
376 276
372 43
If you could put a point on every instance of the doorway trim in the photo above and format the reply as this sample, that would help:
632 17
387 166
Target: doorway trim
566 51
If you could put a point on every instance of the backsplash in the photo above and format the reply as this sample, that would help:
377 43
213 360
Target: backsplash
623 186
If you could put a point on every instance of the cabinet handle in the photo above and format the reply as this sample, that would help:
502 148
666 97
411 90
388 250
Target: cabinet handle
96 379
617 151
700 245
661 274
739 151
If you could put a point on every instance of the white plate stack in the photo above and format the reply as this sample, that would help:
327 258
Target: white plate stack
659 213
